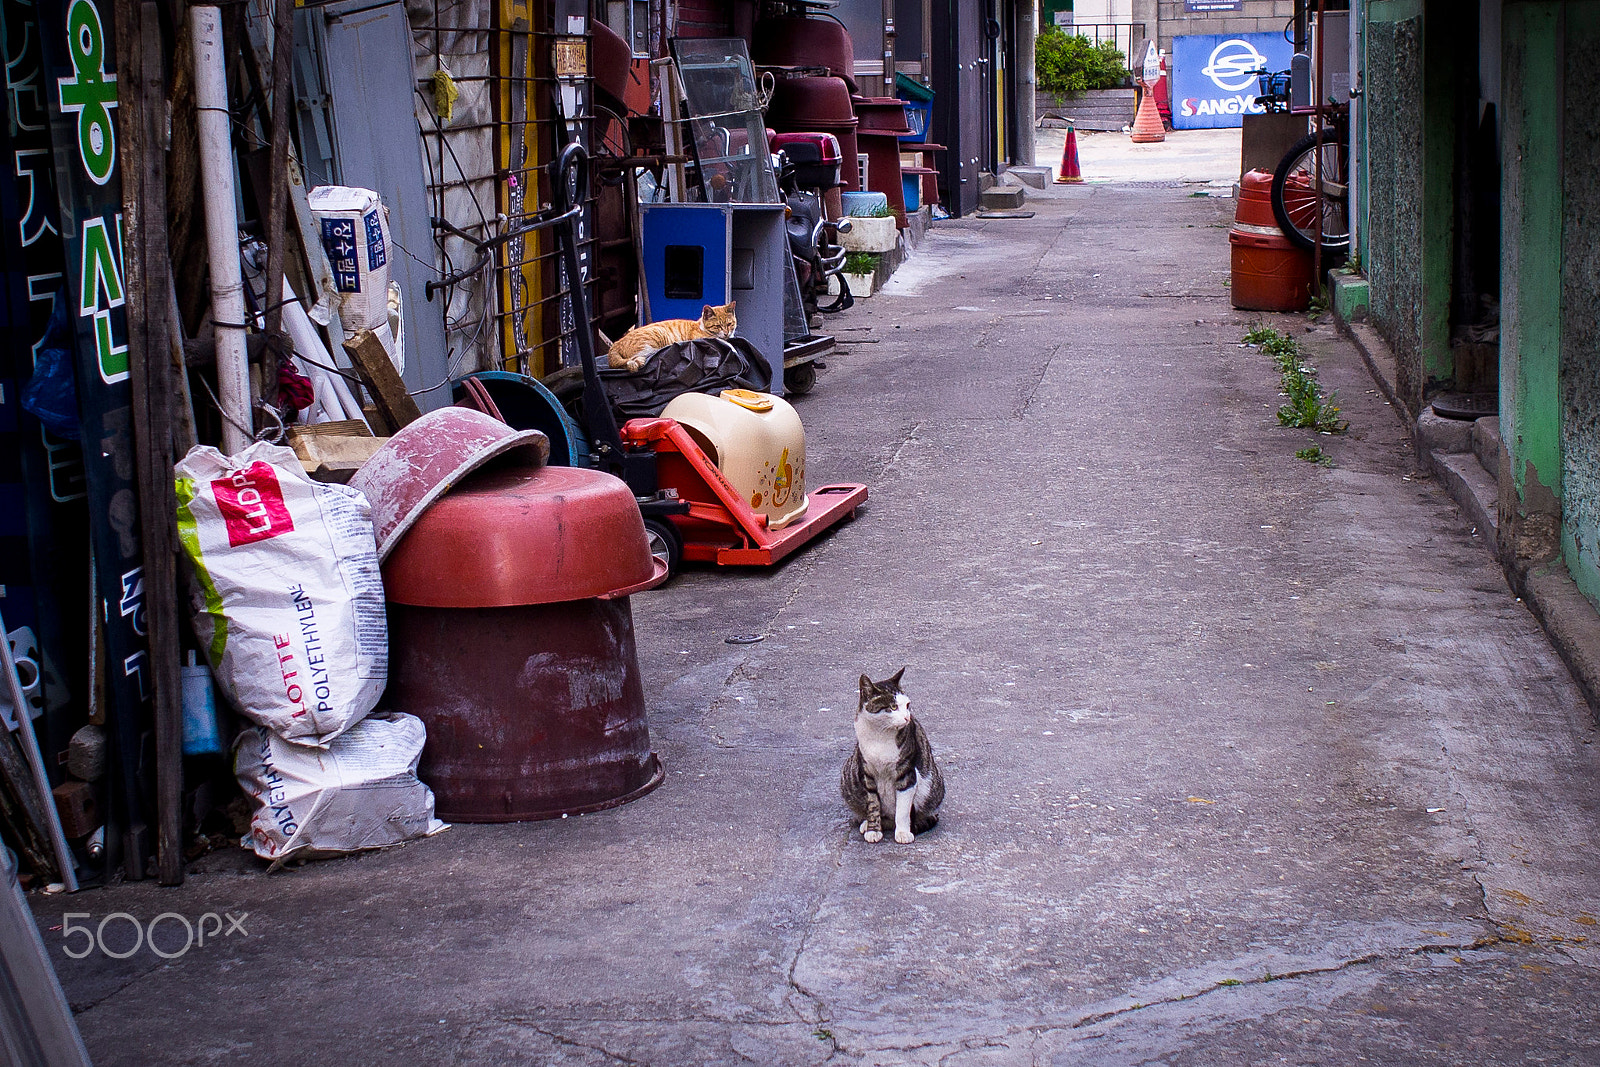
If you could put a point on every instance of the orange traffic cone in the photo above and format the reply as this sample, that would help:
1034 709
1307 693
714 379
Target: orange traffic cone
1147 125
1069 159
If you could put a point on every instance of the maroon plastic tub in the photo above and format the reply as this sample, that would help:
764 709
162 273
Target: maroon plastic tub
818 105
882 149
881 114
813 100
511 638
800 42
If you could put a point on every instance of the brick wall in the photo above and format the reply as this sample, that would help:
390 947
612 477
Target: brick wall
1253 16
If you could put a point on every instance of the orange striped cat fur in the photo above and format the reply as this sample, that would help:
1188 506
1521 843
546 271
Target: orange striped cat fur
634 347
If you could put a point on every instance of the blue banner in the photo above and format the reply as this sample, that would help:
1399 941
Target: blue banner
1213 77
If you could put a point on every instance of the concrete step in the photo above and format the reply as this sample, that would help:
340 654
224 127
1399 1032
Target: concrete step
1001 198
1486 444
1032 177
1475 492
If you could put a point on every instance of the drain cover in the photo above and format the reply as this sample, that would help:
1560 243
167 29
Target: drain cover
1466 405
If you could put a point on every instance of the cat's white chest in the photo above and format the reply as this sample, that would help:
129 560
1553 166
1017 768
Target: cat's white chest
879 752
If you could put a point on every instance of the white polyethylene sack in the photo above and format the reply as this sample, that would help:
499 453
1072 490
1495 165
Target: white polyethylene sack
286 591
355 235
360 792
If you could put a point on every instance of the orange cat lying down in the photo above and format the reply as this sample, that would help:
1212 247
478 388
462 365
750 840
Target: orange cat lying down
633 348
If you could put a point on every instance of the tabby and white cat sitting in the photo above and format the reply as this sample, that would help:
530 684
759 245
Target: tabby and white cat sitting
891 780
633 348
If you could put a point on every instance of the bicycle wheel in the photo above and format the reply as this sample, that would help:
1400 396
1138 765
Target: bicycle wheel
1294 193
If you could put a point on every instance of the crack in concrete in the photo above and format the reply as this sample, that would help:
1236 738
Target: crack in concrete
1481 862
819 1006
532 1021
80 1008
1039 1030
1304 972
562 1039
904 444
1031 390
972 1045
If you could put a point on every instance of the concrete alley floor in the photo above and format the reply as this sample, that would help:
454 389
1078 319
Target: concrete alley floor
1249 760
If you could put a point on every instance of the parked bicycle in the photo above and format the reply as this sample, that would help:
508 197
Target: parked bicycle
1304 209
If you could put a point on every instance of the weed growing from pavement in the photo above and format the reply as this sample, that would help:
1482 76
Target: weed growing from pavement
1307 407
1314 454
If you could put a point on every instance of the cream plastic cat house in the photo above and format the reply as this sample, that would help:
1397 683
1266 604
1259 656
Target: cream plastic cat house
757 442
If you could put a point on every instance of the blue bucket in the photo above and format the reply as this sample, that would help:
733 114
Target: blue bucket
911 185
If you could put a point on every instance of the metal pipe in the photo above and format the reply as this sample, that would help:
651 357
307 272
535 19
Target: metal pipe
331 390
30 749
215 121
1321 197
1023 78
888 47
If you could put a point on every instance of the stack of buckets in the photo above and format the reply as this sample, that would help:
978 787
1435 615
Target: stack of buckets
1269 273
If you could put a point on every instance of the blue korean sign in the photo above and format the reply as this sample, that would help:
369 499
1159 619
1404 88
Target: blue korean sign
1214 77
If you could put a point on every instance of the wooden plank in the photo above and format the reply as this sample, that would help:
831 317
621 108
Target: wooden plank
371 361
148 278
278 191
334 451
341 428
23 806
20 833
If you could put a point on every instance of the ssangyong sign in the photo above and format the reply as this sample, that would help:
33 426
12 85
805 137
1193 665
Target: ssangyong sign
1214 77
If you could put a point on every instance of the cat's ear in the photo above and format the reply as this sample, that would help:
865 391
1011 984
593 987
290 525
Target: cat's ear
706 309
732 304
866 688
894 683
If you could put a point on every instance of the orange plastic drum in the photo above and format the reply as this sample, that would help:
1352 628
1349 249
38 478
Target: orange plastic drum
1269 273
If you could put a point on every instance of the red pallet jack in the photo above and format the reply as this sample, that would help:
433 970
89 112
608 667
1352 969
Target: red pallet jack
690 509
719 526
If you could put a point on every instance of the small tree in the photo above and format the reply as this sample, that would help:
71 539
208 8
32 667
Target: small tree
1071 63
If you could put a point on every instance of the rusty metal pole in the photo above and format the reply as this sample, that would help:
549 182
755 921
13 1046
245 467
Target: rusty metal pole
1316 251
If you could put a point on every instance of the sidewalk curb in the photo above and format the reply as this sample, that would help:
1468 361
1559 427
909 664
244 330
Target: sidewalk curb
1569 619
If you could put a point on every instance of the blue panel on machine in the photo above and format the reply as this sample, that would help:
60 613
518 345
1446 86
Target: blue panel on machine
685 258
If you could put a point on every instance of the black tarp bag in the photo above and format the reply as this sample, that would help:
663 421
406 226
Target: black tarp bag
705 365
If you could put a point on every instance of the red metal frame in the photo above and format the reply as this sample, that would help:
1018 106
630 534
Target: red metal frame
721 527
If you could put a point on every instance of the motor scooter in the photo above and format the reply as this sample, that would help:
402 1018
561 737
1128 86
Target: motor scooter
808 179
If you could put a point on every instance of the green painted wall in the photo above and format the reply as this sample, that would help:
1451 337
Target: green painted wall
1413 52
1530 257
1580 298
